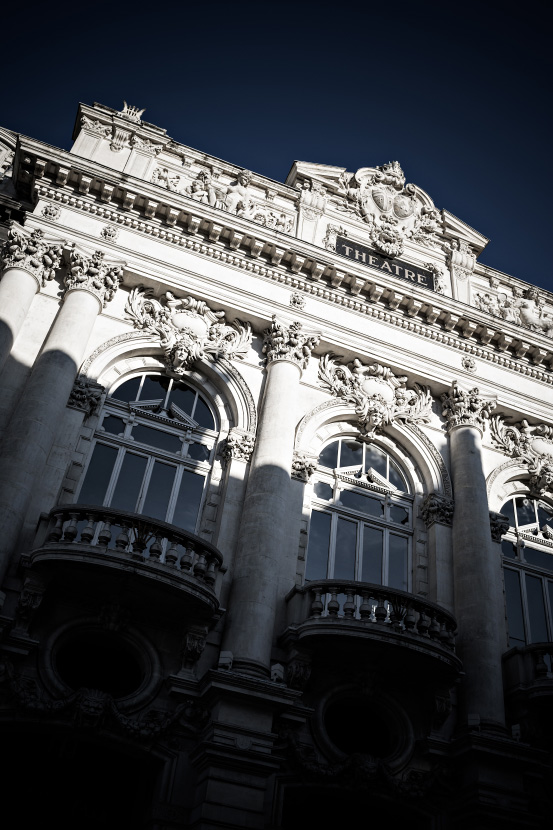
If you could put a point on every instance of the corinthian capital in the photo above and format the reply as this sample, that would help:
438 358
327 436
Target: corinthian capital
32 252
94 274
461 408
282 342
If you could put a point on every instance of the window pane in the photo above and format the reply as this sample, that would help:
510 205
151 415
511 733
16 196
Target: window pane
159 490
188 501
98 475
319 541
346 543
202 414
377 459
157 438
116 426
199 452
525 511
183 396
323 490
397 562
514 608
508 549
372 555
351 454
329 456
154 388
129 482
128 391
399 514
365 504
396 478
536 610
545 515
508 510
541 558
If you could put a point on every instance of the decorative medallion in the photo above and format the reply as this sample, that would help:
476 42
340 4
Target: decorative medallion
533 445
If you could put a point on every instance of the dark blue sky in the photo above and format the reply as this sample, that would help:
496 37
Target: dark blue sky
460 94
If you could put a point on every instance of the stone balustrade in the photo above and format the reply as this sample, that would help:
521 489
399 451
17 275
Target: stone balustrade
373 606
132 538
529 668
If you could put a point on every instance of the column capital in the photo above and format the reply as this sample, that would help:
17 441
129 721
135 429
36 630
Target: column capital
92 273
437 509
85 395
288 342
303 466
32 252
239 445
499 524
470 409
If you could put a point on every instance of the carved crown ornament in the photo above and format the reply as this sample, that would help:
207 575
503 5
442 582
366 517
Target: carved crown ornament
379 396
187 329
289 342
532 445
393 210
93 273
523 308
461 408
32 252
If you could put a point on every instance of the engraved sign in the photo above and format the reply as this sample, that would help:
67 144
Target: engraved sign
394 267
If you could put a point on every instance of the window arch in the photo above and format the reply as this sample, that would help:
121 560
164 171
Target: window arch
527 549
361 523
153 450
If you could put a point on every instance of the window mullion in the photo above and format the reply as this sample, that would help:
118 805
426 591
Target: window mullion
114 475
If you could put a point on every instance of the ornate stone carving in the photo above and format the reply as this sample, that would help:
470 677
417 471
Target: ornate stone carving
133 114
437 509
85 395
469 364
237 196
533 445
201 188
297 300
461 408
32 252
51 211
332 232
268 218
379 396
282 342
499 525
6 161
312 198
188 329
393 210
526 310
303 466
193 645
29 601
145 145
461 259
298 671
238 445
92 273
110 233
438 275
96 127
164 177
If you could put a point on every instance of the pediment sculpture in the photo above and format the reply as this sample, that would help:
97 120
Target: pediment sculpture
394 211
187 329
533 445
379 396
523 307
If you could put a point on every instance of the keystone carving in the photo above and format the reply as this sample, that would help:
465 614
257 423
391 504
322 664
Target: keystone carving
32 252
437 509
461 408
379 396
94 274
288 343
238 445
461 259
303 466
499 525
85 395
526 310
393 210
187 329
533 445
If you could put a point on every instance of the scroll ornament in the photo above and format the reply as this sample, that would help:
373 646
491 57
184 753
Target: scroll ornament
32 252
379 396
94 274
533 445
281 342
461 408
188 329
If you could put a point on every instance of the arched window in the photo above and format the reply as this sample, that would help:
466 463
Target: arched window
527 549
361 518
152 451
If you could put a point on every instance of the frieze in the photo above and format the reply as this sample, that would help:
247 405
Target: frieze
187 329
525 308
532 445
378 396
461 408
291 343
32 252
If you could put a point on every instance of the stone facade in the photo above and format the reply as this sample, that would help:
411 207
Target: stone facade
276 496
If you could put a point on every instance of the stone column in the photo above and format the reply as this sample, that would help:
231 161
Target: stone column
479 605
263 534
34 425
28 261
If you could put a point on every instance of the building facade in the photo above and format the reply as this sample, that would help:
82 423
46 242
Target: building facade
276 496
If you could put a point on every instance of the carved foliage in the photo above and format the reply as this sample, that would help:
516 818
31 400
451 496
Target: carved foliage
499 525
437 509
291 343
85 395
461 259
238 445
303 466
533 445
379 396
94 274
461 408
187 328
32 252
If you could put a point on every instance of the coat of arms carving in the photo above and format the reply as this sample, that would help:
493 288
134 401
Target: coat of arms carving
533 445
379 396
187 329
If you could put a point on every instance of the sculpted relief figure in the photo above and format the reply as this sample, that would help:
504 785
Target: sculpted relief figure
531 444
525 310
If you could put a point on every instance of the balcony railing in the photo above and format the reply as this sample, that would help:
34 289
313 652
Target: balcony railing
373 607
129 537
529 668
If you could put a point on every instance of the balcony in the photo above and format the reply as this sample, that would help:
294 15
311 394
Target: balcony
528 685
84 542
346 617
